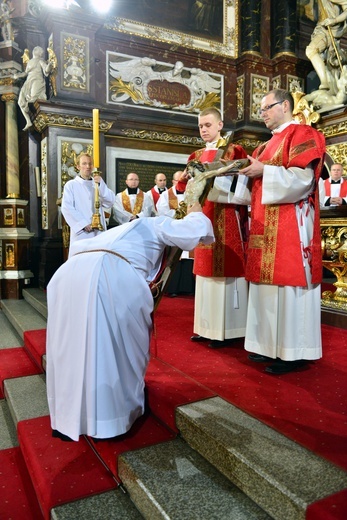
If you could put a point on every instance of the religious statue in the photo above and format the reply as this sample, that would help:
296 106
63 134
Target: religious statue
326 55
5 21
34 87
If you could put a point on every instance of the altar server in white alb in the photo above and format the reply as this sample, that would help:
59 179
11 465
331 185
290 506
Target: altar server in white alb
99 323
78 202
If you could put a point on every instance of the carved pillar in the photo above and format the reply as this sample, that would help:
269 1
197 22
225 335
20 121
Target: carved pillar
250 26
12 157
283 30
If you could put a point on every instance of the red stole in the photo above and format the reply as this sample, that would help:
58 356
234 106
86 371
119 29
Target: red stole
226 256
343 188
274 254
155 196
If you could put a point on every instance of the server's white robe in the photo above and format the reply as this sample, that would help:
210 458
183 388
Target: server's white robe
78 206
99 324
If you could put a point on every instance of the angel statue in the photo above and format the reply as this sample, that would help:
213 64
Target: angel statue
34 86
325 53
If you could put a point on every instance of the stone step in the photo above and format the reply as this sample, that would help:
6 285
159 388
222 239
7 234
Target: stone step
37 299
22 316
282 477
112 505
172 481
26 397
9 337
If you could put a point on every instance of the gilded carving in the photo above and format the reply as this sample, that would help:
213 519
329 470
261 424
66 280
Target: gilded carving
229 46
259 87
75 62
339 153
44 195
150 135
334 254
145 82
240 97
44 120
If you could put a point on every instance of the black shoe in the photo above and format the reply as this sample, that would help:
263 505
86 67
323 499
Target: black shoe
61 436
258 358
198 338
283 367
215 343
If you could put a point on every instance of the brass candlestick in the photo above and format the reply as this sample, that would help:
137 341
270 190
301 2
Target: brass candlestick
96 220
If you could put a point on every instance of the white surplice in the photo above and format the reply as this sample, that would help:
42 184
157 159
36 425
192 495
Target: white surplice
99 324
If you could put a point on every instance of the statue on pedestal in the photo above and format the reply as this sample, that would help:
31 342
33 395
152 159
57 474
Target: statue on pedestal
5 21
34 87
326 55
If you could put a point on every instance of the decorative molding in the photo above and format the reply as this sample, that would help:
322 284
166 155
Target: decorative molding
339 153
335 129
150 135
249 144
44 120
75 60
147 83
259 87
228 48
44 191
240 97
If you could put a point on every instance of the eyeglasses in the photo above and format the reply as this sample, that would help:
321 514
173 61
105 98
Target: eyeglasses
265 109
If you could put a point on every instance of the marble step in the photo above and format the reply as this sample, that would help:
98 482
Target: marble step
112 505
172 481
9 337
37 299
281 476
26 397
22 316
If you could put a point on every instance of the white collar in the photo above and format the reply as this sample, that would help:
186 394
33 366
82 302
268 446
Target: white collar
282 127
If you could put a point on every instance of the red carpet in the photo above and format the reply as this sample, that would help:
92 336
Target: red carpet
15 362
308 406
60 471
18 499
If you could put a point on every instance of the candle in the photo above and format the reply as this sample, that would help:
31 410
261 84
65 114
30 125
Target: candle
38 181
96 146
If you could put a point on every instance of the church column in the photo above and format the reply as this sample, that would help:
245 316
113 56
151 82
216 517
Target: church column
250 26
283 27
14 235
12 157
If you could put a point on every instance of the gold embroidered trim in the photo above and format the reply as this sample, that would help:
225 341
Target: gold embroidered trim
138 202
173 201
269 247
256 241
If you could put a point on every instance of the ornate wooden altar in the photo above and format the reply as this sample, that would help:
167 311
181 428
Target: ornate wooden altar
333 222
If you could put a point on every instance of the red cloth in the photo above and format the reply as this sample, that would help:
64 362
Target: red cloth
226 256
155 196
274 254
343 188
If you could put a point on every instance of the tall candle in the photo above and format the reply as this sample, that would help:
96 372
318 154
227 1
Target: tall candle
96 145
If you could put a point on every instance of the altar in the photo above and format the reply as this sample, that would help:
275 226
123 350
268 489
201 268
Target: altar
333 223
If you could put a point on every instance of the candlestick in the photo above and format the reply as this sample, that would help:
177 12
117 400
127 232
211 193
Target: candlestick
96 145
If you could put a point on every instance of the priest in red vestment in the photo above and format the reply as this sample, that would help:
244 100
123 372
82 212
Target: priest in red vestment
284 265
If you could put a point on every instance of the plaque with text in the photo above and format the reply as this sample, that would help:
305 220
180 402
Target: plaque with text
146 170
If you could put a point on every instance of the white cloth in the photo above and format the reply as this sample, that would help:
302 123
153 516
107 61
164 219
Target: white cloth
122 216
77 206
163 208
284 321
99 324
149 195
163 204
220 308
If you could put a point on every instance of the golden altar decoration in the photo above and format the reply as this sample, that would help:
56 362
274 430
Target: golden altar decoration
333 224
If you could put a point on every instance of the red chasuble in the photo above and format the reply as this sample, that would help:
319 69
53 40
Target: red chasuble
274 254
226 256
155 196
343 188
